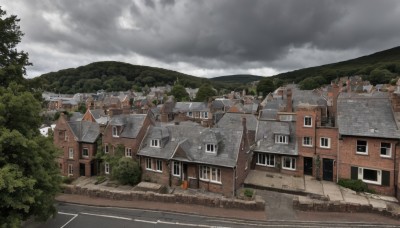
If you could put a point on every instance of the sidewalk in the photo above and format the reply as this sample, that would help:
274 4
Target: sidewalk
313 189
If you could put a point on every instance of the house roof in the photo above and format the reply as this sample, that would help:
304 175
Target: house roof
85 131
131 124
265 137
192 139
234 121
76 116
368 115
190 106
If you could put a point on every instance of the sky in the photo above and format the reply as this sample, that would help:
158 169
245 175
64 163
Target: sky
204 38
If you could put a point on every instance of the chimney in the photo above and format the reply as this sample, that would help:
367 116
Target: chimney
289 107
335 94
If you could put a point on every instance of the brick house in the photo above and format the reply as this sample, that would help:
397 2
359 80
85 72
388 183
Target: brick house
78 141
213 159
368 140
194 111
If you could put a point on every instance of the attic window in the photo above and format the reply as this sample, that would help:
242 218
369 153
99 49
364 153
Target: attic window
115 131
155 143
281 139
211 148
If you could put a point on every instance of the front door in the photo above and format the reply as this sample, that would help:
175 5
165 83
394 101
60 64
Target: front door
81 169
308 163
184 173
327 167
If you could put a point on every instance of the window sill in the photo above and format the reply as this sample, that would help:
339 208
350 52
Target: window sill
290 169
385 156
371 182
307 126
307 145
272 166
323 147
361 153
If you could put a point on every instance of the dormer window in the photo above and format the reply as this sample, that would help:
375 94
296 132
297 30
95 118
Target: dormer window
281 139
155 143
115 131
190 114
211 148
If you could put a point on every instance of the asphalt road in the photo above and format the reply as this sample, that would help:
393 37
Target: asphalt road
71 215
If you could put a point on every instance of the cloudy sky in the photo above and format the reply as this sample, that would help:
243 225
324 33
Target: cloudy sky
204 38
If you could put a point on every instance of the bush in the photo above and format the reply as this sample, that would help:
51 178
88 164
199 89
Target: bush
67 180
248 193
127 171
355 185
100 179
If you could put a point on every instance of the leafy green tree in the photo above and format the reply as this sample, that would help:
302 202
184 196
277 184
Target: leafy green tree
379 76
127 171
265 86
205 93
179 92
308 84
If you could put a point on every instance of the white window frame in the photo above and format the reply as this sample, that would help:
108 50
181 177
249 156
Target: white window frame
211 148
322 142
87 149
107 168
267 160
310 142
215 175
306 121
71 153
190 114
366 148
176 168
115 132
292 163
204 115
204 172
281 139
128 152
378 175
159 166
70 169
106 149
155 143
149 164
388 155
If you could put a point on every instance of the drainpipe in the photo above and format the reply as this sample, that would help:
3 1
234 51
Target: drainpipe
394 170
234 181
338 160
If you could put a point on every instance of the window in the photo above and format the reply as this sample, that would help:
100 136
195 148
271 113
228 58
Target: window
281 139
211 148
85 152
386 149
307 141
289 163
190 114
325 142
155 143
215 175
106 148
362 147
106 168
371 176
176 169
70 170
159 165
149 165
285 117
115 131
66 137
266 160
307 121
128 152
71 153
204 115
204 173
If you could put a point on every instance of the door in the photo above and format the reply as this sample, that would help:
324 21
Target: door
81 169
327 169
308 166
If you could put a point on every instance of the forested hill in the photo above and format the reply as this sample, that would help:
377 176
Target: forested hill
237 78
110 76
380 67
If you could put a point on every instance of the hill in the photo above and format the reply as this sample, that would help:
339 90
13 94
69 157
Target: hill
380 67
237 78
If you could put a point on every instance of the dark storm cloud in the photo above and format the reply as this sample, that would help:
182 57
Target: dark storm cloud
224 34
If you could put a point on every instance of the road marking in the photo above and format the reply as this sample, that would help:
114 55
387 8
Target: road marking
108 216
187 224
74 216
145 221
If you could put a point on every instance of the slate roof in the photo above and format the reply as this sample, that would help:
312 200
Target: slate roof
85 131
307 97
76 116
265 137
189 139
234 121
131 124
368 115
190 106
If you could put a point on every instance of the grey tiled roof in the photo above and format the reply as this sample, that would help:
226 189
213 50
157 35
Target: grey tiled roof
307 97
368 115
190 106
189 138
234 121
131 124
85 131
76 116
266 137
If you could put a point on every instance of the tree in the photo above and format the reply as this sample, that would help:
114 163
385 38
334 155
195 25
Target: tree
127 171
205 92
265 86
29 175
179 92
308 83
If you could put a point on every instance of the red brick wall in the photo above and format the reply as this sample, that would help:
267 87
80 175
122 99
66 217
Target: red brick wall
155 176
226 186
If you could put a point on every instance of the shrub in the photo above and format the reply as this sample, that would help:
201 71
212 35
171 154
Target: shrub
248 193
100 179
127 171
355 185
67 180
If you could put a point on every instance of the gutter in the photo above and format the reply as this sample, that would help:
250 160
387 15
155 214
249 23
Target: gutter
234 181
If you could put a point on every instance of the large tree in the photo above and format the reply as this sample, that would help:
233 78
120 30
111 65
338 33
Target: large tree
179 92
265 86
29 175
205 92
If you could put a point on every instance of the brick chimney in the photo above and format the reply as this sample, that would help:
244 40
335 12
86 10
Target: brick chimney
395 100
335 94
289 104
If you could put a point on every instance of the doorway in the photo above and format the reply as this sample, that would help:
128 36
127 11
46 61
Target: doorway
327 169
308 166
81 169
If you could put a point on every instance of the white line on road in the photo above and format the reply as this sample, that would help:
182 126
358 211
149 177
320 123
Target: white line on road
187 224
108 216
145 221
74 216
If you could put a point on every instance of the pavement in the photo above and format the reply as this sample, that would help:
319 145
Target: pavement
309 187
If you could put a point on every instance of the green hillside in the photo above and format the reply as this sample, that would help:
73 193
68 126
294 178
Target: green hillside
380 67
237 78
110 76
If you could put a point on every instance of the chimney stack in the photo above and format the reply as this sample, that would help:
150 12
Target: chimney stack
289 105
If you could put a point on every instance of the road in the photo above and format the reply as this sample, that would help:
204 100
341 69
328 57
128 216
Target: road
72 215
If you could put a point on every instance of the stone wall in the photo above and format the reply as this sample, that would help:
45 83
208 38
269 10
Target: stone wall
256 205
